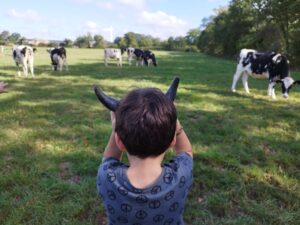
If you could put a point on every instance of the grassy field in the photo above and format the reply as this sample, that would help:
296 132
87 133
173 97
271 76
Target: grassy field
54 130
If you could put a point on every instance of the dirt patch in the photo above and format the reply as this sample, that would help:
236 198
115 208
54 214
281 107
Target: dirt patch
66 174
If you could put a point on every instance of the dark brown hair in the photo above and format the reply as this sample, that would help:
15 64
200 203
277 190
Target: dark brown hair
146 122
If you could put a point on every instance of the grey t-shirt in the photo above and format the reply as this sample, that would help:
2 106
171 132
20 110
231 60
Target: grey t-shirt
161 203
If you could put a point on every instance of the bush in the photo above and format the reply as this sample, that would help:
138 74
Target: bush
192 48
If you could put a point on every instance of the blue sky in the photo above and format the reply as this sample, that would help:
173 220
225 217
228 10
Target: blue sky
61 19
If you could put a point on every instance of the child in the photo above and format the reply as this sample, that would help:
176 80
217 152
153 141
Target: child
144 126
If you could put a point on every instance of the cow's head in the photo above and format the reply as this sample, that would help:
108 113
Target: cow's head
152 57
112 103
49 50
286 85
123 50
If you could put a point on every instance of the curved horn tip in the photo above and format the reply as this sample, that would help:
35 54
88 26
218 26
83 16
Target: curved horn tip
95 86
109 102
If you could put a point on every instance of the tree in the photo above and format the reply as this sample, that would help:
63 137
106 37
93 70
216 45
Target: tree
192 36
146 41
130 39
284 13
68 42
84 41
14 37
4 35
99 41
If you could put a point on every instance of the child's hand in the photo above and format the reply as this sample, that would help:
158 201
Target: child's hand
113 120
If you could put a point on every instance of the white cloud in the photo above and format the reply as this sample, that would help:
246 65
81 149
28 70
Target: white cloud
161 19
26 15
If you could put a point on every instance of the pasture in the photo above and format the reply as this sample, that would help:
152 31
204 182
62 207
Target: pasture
54 130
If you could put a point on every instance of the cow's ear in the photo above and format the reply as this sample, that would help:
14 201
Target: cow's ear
107 101
296 82
171 93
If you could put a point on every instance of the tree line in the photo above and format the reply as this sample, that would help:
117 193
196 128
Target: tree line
265 25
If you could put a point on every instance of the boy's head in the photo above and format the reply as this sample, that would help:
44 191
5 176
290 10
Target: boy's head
146 122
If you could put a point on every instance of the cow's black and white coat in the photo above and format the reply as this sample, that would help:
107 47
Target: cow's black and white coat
272 66
113 53
137 54
24 55
149 58
58 58
142 57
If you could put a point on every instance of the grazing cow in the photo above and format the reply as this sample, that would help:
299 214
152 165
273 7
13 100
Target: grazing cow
113 53
24 55
149 58
272 66
137 54
58 58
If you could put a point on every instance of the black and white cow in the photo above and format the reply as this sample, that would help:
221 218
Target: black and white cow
141 57
58 58
24 55
149 58
137 54
272 66
113 53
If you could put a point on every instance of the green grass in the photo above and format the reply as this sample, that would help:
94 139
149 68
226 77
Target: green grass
54 130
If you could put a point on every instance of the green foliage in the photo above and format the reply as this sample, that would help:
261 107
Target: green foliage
54 130
258 24
130 39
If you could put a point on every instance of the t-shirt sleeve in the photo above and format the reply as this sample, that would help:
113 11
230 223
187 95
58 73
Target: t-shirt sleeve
182 165
107 173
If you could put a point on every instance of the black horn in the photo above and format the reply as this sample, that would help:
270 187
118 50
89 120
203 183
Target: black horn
107 101
171 93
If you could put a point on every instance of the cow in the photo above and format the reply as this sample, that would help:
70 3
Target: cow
142 57
149 58
58 58
270 65
113 53
24 55
137 54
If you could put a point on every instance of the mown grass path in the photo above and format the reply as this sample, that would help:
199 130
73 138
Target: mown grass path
53 132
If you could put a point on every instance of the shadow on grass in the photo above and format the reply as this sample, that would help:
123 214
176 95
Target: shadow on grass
246 159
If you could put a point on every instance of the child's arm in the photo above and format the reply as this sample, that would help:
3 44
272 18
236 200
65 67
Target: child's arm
111 149
182 141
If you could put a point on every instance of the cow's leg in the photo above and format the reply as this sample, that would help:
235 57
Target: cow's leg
66 65
271 89
245 82
25 69
18 68
236 77
60 64
105 61
31 67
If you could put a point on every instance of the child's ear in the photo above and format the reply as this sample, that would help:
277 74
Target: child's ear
173 142
119 143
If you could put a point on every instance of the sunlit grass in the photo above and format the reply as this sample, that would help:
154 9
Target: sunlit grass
54 130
